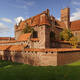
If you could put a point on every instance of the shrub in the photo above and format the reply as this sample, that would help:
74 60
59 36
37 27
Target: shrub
66 34
28 29
74 42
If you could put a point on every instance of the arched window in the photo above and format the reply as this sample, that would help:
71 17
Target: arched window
35 34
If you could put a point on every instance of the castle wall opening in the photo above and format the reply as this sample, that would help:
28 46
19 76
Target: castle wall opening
52 38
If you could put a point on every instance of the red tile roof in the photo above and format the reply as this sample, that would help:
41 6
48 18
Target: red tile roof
16 48
12 47
4 47
75 25
11 41
7 38
21 48
34 39
39 19
52 50
24 37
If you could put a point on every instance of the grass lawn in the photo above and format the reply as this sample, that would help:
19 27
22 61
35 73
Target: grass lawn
16 71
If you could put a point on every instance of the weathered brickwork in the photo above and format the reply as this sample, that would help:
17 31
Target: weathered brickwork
38 58
65 17
42 47
68 57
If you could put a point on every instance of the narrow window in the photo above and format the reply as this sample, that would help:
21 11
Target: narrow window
35 34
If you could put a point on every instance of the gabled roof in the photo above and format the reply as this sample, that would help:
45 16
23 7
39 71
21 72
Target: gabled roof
75 25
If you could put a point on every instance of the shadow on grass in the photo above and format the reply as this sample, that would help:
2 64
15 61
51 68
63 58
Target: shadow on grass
6 63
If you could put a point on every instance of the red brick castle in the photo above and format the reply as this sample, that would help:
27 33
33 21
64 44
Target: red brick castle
42 47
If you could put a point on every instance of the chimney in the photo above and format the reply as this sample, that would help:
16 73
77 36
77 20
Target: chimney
65 17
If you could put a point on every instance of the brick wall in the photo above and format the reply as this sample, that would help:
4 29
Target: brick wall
62 45
67 57
18 34
65 16
49 58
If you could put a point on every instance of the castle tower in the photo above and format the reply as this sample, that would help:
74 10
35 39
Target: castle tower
65 17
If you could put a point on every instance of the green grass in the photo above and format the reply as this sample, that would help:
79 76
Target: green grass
16 71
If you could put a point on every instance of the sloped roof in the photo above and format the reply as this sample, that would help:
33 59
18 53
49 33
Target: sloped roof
7 38
75 25
39 19
10 41
60 24
12 47
4 47
16 48
52 50
34 39
24 37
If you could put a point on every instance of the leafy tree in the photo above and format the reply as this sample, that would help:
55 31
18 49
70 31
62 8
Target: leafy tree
28 29
66 34
74 42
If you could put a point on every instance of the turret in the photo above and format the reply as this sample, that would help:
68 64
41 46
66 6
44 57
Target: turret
65 17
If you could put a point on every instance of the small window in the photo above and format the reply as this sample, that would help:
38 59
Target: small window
27 46
35 34
52 52
46 52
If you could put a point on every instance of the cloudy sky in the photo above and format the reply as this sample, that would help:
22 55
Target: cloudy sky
11 9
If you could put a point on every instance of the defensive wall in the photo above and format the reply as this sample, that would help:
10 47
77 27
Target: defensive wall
42 57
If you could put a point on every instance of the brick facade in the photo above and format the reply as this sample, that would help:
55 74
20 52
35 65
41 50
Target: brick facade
42 47
39 58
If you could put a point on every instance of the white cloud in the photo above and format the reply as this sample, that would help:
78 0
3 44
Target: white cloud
30 3
75 15
2 25
4 30
19 19
20 6
58 18
75 3
23 4
6 20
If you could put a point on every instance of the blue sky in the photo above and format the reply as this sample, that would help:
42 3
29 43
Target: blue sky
11 9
